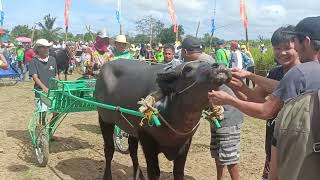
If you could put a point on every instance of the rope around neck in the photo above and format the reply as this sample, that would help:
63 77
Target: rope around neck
176 131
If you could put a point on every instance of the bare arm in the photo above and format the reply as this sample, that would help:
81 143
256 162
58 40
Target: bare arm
266 110
244 93
273 175
5 64
265 83
39 83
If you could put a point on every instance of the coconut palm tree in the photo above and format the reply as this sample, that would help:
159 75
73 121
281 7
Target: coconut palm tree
47 28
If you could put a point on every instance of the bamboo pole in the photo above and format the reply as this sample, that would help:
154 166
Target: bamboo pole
177 34
66 33
32 35
247 39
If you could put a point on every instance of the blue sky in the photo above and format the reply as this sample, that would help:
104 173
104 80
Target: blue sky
264 15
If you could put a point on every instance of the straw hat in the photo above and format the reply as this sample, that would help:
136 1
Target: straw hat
121 39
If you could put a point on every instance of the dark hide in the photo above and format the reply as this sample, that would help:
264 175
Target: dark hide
62 57
125 82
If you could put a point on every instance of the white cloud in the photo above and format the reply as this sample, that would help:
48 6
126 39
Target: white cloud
264 15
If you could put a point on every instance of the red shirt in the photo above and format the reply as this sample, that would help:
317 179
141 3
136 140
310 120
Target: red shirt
28 54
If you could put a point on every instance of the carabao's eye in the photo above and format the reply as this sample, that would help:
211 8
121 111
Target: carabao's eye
215 65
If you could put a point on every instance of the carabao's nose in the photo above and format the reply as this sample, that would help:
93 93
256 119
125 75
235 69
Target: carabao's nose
222 74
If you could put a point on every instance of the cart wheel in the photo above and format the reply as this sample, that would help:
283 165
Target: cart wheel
120 139
42 150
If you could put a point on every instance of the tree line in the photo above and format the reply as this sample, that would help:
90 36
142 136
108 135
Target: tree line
149 30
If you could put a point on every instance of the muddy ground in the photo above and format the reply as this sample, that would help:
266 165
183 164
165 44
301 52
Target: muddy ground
78 154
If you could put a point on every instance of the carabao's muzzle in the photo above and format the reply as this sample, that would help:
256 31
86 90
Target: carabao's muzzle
221 74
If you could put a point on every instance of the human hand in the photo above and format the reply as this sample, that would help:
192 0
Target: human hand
236 84
45 89
219 98
240 73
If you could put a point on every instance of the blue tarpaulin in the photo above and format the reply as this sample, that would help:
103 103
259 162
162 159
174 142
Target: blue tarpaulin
9 73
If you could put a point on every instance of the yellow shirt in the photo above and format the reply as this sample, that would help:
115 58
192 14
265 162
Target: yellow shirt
97 59
100 59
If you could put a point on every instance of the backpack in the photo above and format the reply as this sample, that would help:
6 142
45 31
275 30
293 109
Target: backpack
299 143
246 61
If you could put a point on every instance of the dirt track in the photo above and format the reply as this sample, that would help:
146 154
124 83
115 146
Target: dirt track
79 152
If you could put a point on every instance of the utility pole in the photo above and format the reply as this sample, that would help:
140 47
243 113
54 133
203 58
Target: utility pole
214 16
197 29
151 33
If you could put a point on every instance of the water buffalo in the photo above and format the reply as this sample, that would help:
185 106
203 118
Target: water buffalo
185 88
63 57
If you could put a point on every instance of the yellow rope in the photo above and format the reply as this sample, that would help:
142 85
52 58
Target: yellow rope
214 112
217 112
148 109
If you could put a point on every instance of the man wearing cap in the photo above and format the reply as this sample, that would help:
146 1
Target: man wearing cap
222 54
42 68
250 66
288 157
225 142
236 60
101 54
245 50
191 50
121 48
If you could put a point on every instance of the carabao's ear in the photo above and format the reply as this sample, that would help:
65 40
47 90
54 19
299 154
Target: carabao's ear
167 80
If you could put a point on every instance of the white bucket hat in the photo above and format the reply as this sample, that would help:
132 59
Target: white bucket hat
42 42
121 39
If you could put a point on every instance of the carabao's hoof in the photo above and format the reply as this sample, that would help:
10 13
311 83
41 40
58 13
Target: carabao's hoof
141 177
107 177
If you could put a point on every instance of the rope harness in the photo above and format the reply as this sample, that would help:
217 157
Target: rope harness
148 108
213 113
